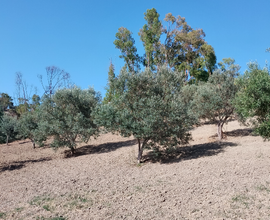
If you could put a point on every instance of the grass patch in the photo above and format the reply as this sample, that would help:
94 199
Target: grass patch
46 207
19 209
39 200
242 200
2 215
263 188
78 201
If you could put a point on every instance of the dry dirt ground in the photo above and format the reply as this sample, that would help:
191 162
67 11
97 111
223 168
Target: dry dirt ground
204 180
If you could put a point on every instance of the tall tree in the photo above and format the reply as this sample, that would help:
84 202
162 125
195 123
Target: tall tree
126 44
186 50
148 107
150 36
110 90
56 78
23 94
24 91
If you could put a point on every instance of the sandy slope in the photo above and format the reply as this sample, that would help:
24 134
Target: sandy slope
205 180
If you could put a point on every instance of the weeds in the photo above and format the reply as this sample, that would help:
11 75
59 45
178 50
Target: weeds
2 215
263 188
47 207
242 199
38 200
19 209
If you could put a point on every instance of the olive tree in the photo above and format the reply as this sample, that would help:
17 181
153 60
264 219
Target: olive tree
149 107
213 100
252 102
8 126
29 125
68 116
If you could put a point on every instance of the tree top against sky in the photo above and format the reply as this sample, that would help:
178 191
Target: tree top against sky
76 38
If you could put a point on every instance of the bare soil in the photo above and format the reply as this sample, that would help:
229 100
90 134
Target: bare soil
204 180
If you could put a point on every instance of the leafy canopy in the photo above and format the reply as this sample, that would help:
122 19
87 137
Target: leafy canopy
149 107
253 100
68 115
8 127
213 100
29 125
174 44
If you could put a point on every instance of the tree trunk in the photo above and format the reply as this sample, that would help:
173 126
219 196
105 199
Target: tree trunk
72 151
219 131
140 155
7 139
140 151
34 144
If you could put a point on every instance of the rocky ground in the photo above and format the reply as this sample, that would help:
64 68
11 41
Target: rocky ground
204 180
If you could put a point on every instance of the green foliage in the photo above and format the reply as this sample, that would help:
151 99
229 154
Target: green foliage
149 107
35 102
213 100
253 100
29 127
2 215
5 102
68 116
22 108
110 93
125 42
184 49
150 35
8 127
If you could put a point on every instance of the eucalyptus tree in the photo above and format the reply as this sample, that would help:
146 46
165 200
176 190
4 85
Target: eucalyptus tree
68 116
186 50
149 107
213 100
183 49
126 44
150 36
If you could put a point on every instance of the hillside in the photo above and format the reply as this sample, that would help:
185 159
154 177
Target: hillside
204 180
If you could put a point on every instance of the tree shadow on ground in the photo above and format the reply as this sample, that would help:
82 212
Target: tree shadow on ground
24 142
16 165
240 132
187 153
102 148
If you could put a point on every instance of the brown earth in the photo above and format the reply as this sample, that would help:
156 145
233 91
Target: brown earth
204 180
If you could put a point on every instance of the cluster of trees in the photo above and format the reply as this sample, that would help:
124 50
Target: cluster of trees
183 48
180 86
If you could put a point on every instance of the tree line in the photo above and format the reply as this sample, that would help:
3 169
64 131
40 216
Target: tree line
181 86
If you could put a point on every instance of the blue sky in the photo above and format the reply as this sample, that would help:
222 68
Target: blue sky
78 35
